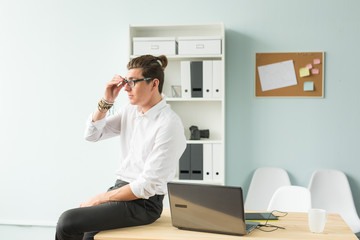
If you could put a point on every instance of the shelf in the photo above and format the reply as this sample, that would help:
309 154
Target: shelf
174 27
202 141
189 57
212 182
208 113
178 30
193 99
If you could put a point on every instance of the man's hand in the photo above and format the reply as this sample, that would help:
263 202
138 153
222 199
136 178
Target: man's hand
95 200
121 194
113 88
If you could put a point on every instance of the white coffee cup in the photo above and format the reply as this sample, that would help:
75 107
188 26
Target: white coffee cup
317 219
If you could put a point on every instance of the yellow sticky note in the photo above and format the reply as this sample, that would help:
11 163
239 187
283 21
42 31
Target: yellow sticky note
304 72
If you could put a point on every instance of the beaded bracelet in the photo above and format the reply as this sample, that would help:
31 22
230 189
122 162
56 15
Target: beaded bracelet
109 103
104 105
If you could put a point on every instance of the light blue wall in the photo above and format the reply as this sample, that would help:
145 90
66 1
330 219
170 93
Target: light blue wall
56 56
299 135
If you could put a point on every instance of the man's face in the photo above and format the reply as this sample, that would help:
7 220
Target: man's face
140 94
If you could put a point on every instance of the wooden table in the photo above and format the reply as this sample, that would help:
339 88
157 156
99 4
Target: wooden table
296 227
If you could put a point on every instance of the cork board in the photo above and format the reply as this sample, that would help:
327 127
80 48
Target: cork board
307 74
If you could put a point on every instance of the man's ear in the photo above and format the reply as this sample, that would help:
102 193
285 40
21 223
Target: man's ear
155 83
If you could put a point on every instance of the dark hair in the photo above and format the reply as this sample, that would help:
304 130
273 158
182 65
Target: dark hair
151 66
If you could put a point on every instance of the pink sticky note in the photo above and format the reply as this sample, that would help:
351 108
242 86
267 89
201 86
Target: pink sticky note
314 71
309 66
317 61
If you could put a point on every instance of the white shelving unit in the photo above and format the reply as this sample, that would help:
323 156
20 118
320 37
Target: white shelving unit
205 113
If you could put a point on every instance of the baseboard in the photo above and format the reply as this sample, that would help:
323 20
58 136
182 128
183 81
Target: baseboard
27 223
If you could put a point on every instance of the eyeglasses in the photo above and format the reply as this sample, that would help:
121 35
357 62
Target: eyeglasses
131 83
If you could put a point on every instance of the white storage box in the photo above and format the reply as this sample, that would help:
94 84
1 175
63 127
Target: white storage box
199 45
154 45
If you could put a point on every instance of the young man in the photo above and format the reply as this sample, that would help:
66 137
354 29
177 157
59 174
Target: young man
151 143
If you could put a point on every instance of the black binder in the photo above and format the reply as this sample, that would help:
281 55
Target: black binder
196 74
196 165
184 164
191 162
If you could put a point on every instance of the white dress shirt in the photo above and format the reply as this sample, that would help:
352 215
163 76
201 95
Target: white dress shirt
151 145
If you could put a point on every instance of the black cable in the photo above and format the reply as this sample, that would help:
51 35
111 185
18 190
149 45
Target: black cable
266 225
274 228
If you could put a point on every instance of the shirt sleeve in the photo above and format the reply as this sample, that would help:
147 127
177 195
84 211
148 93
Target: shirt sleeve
160 165
102 129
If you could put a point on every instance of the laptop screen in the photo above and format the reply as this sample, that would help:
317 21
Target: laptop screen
210 208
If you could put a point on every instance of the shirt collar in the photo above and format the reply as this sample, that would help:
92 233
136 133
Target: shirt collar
152 112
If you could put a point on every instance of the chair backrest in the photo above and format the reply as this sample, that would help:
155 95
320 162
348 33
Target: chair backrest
264 183
330 190
291 199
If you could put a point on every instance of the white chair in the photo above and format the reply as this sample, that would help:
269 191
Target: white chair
263 184
291 199
330 190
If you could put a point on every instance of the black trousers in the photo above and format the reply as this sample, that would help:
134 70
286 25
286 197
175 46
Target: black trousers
84 223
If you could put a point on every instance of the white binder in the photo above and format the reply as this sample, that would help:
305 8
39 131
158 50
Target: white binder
217 79
185 79
207 161
218 164
207 79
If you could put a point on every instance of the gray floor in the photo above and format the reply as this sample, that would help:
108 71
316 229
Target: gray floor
8 232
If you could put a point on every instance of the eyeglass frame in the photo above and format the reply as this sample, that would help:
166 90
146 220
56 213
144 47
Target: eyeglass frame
137 80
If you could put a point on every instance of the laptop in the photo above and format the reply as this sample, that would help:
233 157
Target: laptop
208 208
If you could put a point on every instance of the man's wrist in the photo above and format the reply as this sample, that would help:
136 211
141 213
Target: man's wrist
104 198
102 110
103 105
107 101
